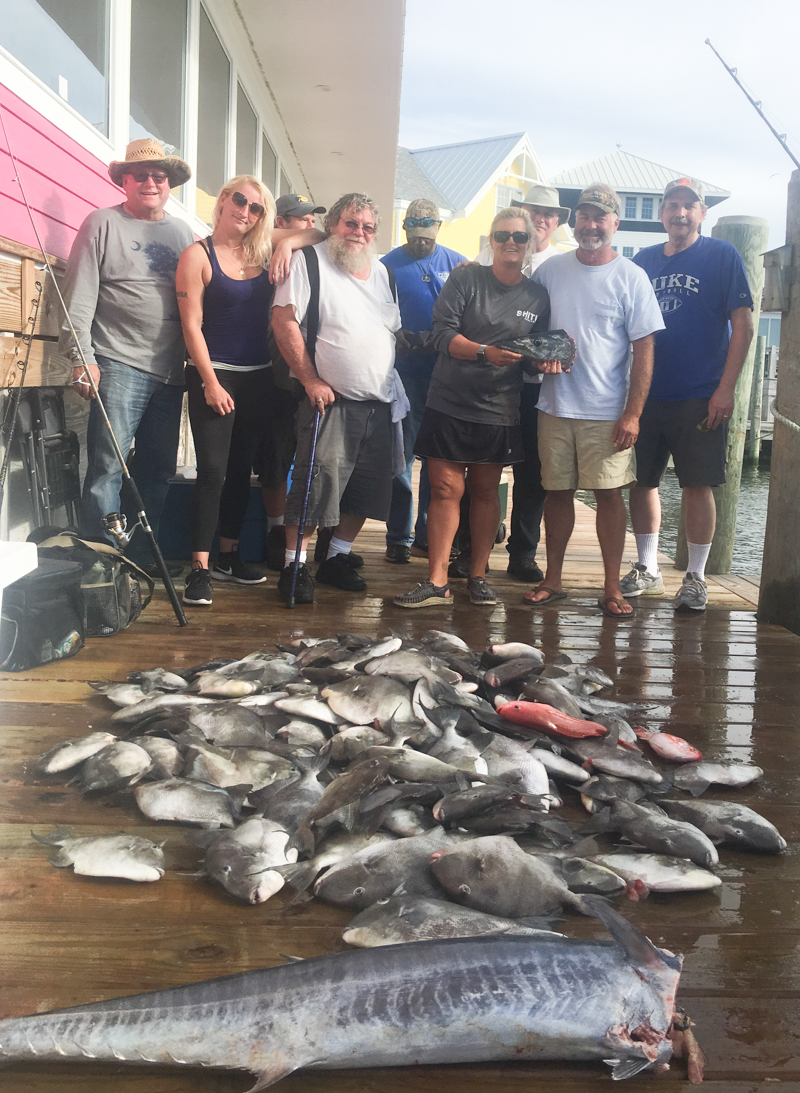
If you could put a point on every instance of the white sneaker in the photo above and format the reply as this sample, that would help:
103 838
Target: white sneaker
641 582
692 595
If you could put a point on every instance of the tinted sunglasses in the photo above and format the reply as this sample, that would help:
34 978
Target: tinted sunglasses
503 237
353 225
141 174
241 201
420 222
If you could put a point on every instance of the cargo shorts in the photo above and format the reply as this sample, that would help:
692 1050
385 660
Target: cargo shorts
580 455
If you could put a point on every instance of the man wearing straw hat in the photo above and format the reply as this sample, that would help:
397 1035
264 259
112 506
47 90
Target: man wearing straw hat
120 290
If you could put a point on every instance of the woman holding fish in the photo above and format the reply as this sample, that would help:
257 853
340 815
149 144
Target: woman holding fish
470 429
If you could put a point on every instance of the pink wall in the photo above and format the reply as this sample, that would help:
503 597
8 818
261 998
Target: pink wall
62 180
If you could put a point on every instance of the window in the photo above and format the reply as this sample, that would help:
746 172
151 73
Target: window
215 75
66 46
246 135
647 208
627 252
630 208
157 68
286 186
269 163
504 195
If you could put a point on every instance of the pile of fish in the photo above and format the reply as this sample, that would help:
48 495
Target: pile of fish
419 784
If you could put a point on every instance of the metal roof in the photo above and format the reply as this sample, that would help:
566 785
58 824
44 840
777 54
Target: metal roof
412 182
626 172
462 171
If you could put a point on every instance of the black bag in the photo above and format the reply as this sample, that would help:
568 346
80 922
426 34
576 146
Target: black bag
42 617
110 582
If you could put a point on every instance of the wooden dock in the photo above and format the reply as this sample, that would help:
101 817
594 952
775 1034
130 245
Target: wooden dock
727 683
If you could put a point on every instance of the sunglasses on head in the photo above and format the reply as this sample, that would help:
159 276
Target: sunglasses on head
353 225
141 174
420 222
242 202
503 237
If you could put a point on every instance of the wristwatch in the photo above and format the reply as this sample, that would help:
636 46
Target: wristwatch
481 356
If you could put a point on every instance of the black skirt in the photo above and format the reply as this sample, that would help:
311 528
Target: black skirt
444 437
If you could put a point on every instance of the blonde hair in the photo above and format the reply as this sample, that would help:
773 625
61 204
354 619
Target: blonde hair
257 241
516 213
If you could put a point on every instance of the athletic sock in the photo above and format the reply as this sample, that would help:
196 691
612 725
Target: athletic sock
647 548
698 556
274 522
290 555
338 546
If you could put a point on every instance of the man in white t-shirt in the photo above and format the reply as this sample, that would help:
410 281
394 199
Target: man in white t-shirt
589 417
351 381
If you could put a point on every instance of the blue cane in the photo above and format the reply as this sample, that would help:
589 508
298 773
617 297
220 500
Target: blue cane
302 525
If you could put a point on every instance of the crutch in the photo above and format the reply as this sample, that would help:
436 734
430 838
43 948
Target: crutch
304 509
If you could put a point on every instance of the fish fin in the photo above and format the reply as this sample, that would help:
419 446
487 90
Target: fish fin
54 839
697 790
266 1078
640 951
60 859
627 1068
302 841
292 959
584 848
600 822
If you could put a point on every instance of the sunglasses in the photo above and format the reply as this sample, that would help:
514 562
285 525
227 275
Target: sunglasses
420 222
503 237
353 225
241 201
142 175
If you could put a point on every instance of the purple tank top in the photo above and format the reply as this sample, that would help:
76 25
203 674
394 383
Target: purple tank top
236 316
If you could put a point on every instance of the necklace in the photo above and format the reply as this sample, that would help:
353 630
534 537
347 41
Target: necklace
425 272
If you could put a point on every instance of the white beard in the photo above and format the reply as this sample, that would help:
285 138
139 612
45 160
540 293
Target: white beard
346 258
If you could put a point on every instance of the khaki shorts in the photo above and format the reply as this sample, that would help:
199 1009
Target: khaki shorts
580 455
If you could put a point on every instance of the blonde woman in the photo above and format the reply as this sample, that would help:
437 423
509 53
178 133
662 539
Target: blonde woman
224 286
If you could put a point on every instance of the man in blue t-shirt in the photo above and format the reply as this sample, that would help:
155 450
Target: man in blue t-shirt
702 290
421 266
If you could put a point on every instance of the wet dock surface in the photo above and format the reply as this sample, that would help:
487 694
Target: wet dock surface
731 686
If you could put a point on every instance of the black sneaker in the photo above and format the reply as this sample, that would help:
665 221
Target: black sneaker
275 547
419 550
197 588
461 565
340 573
480 591
230 567
398 553
324 536
304 589
524 568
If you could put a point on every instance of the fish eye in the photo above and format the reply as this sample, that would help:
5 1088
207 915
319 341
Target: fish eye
464 889
225 869
537 342
359 891
383 901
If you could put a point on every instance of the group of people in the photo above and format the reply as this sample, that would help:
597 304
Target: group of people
303 353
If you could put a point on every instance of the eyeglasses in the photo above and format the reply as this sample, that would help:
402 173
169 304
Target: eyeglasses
353 225
242 202
420 222
503 237
141 174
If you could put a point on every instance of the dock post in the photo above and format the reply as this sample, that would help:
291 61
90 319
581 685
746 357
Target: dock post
779 599
752 451
750 235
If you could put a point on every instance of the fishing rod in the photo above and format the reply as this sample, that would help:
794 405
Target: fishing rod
781 137
10 417
114 523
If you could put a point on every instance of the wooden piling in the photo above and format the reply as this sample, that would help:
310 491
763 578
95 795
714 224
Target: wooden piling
779 600
752 451
750 235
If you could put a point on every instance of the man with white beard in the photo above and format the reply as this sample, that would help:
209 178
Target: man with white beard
350 378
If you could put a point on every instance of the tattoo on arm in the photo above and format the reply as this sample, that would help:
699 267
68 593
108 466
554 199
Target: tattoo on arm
184 295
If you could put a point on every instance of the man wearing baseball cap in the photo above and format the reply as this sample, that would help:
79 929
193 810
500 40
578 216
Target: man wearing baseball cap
119 286
589 417
296 211
421 266
701 287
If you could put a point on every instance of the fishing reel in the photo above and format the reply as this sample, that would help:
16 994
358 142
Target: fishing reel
116 524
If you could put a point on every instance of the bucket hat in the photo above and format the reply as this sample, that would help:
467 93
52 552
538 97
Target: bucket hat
547 198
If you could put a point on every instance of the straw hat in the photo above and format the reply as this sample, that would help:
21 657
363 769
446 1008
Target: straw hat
149 151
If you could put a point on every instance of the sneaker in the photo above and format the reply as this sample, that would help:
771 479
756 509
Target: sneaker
275 547
426 594
174 569
460 566
324 536
640 582
197 588
692 595
480 591
418 549
339 572
304 589
230 567
398 553
524 568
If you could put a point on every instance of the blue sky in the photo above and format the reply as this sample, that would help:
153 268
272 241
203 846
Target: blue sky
581 77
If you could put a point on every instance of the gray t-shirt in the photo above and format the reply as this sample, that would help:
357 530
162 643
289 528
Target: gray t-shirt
120 290
475 304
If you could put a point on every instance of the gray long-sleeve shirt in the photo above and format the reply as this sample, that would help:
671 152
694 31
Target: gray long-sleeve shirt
119 287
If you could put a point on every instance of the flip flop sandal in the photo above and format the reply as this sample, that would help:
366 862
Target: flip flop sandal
603 605
552 595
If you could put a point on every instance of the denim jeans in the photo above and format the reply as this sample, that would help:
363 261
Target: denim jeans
528 504
141 407
400 527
